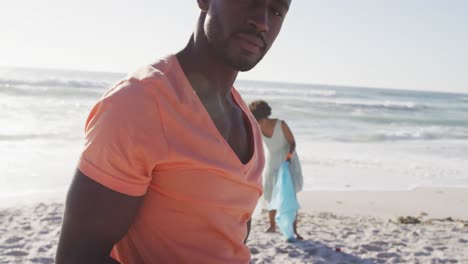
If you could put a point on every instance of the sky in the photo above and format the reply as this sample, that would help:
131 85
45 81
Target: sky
401 44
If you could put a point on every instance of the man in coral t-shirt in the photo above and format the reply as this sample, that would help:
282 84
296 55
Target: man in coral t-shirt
171 167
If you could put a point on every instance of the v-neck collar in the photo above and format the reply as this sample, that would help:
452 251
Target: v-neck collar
206 116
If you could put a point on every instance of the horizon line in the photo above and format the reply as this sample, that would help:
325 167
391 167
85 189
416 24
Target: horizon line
244 80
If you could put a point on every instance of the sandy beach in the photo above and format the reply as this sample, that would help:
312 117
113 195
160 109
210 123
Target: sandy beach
365 227
338 227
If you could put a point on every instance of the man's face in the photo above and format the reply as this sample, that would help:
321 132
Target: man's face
242 31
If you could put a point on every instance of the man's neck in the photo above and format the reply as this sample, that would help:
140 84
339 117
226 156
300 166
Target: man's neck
209 76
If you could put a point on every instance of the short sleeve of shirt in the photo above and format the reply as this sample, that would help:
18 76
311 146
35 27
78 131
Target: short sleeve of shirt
124 139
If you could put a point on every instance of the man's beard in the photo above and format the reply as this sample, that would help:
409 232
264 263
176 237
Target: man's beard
220 45
236 61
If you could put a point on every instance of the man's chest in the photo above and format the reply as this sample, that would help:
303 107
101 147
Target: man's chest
236 130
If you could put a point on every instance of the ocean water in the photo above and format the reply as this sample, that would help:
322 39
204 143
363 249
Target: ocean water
348 138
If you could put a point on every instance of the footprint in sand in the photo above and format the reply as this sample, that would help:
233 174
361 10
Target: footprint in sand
56 219
370 247
254 251
14 239
281 251
438 260
295 254
387 255
15 253
42 260
420 254
430 249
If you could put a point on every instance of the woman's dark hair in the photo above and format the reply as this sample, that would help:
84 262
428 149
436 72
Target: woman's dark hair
260 109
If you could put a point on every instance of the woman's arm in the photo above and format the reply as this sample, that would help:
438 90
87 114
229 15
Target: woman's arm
290 138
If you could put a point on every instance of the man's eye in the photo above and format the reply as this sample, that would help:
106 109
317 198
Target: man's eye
275 12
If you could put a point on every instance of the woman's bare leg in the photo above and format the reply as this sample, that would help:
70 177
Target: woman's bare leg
298 237
272 228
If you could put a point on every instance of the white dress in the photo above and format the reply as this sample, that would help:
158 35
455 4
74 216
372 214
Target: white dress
276 149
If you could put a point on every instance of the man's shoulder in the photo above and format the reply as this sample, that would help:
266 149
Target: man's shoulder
155 71
153 75
151 79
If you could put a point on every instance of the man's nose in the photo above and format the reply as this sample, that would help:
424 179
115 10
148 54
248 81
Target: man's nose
259 20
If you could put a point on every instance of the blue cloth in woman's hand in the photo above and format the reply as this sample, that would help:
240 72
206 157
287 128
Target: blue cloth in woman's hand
284 201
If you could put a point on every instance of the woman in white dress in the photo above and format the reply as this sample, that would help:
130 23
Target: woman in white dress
280 146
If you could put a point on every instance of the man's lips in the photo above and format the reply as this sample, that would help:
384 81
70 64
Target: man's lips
252 40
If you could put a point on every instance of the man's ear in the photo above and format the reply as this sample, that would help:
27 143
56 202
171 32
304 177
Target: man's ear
203 5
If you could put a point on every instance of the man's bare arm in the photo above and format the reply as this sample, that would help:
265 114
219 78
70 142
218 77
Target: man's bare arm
95 219
249 223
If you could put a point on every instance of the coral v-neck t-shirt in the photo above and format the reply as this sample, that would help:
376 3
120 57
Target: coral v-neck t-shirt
151 136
